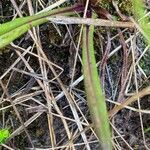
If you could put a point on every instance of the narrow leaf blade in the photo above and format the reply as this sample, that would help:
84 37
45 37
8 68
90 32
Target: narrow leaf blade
95 96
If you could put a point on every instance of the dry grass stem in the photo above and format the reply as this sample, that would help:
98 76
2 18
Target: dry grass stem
90 21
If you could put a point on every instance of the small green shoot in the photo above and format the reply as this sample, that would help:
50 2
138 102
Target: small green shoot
4 134
147 130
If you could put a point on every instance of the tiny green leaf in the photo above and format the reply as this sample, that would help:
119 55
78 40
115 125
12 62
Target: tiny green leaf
4 134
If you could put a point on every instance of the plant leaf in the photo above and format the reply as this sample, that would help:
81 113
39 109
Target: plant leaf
11 30
143 21
95 96
4 134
